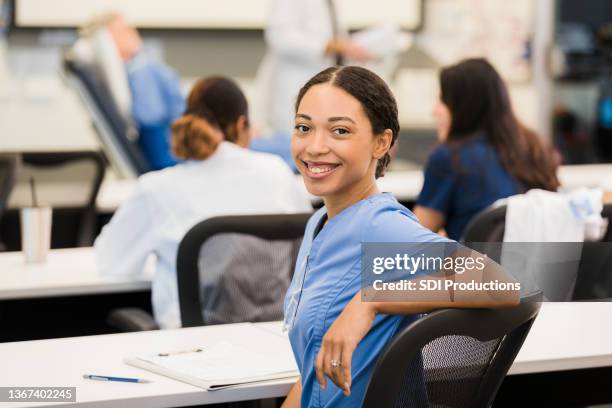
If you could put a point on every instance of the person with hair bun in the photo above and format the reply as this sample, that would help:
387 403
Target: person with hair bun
218 176
346 121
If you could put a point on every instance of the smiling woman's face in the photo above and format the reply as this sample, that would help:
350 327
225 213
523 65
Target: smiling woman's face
333 144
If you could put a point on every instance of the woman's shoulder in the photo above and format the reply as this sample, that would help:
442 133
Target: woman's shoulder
440 158
169 183
151 180
477 145
389 221
384 209
440 152
469 153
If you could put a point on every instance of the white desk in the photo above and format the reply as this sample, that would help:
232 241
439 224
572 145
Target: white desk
567 336
62 362
66 272
564 337
405 185
589 175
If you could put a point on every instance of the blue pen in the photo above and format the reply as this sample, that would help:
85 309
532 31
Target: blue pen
107 378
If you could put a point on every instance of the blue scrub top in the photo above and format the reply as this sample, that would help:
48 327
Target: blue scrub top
462 179
328 275
156 102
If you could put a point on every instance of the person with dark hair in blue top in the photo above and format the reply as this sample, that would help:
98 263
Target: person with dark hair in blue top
345 123
485 153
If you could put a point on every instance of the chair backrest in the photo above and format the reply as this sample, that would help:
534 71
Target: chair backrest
8 171
451 358
123 151
237 268
487 226
593 280
39 166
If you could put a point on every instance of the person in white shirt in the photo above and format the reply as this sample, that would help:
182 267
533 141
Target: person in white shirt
219 177
303 38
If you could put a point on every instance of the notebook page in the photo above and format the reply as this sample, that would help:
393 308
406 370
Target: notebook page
227 363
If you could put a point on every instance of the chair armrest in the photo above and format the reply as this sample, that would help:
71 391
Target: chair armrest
131 319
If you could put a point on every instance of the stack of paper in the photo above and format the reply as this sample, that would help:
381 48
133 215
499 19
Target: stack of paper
219 366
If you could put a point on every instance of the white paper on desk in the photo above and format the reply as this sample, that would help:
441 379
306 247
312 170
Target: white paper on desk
219 366
383 40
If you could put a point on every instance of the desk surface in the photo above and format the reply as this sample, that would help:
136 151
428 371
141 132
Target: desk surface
404 184
62 362
565 336
66 272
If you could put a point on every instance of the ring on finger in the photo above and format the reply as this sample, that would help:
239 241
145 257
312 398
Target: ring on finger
335 363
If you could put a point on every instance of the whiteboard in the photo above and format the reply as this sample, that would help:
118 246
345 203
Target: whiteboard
194 14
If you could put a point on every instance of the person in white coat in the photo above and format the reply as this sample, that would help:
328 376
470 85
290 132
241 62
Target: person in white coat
219 177
303 37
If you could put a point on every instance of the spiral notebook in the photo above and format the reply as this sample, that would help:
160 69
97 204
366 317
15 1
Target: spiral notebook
222 365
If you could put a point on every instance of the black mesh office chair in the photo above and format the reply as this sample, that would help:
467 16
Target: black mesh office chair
230 269
8 171
593 281
451 358
38 165
237 268
117 137
487 226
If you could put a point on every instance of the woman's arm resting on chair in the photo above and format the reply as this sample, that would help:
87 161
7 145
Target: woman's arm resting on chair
355 321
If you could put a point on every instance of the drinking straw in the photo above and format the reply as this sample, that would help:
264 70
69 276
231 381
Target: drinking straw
33 191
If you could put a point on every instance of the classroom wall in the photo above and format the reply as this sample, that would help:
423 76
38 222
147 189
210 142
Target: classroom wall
31 84
33 62
233 14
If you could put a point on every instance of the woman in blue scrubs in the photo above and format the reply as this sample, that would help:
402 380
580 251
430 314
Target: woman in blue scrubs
346 121
485 154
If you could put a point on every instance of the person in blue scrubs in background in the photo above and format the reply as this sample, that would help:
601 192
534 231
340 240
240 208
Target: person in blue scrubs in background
156 96
346 121
485 153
